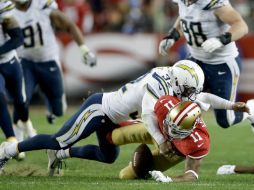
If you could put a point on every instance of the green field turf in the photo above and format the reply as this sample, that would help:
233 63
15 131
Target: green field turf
230 146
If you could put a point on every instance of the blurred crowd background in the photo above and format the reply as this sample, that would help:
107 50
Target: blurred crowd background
132 16
124 34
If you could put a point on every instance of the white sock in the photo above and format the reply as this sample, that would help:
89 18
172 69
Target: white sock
62 154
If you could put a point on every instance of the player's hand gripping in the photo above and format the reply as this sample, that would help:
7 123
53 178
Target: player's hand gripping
240 107
165 148
160 177
88 57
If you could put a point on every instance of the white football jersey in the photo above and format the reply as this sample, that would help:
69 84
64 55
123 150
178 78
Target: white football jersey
6 10
40 43
125 103
199 23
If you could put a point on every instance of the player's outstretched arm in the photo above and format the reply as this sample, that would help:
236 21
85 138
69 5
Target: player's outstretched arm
238 27
63 23
191 172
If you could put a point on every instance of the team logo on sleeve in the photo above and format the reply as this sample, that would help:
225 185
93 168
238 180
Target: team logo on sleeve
211 4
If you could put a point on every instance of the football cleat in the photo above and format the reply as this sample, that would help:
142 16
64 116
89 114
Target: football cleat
226 170
250 104
54 164
3 156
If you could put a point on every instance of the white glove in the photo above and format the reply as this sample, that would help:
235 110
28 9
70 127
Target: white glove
88 57
226 170
160 177
211 44
165 45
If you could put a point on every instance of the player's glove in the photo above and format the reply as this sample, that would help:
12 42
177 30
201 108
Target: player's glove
212 44
168 41
226 170
240 107
88 57
160 177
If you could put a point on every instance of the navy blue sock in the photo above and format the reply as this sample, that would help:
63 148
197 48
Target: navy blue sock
93 152
5 119
39 142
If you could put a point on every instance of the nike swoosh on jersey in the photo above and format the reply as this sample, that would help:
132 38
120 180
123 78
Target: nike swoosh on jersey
199 145
221 73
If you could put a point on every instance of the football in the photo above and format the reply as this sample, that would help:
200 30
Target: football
142 161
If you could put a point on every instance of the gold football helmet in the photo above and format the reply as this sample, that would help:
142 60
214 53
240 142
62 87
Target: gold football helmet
181 120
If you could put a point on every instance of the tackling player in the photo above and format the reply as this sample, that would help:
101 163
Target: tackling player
11 76
40 56
211 28
102 112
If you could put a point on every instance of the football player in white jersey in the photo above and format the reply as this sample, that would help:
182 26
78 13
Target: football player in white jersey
11 76
211 28
102 112
40 56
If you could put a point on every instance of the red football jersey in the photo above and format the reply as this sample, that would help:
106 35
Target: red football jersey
197 144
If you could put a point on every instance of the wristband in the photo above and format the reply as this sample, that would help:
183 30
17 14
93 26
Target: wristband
225 38
173 34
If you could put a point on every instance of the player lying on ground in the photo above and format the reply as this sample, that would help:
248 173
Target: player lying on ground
192 144
102 112
186 134
235 169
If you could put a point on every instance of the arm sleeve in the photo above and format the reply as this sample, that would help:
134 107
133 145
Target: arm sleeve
216 102
149 118
16 40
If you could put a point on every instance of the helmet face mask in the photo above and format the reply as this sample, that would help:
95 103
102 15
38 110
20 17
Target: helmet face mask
187 79
172 131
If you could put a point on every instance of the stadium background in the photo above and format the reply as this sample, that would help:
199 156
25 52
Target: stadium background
125 34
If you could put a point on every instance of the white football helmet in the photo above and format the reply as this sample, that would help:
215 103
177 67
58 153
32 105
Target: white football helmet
187 79
181 120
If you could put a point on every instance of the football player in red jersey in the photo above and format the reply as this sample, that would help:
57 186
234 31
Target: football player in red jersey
186 134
